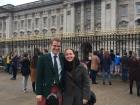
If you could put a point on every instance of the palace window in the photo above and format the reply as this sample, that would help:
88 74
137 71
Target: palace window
98 26
123 10
138 7
4 25
68 12
61 20
77 28
45 21
53 20
15 25
87 17
108 6
78 15
22 24
29 23
37 22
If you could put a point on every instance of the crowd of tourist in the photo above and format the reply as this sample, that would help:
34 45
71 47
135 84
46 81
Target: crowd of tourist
103 62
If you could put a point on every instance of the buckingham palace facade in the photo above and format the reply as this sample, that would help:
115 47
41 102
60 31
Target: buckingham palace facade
48 18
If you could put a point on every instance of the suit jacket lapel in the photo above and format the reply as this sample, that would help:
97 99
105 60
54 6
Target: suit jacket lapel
50 61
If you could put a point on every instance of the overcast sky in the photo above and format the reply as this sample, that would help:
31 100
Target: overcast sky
15 2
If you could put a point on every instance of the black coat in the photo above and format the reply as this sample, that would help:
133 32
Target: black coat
134 69
25 67
75 93
45 74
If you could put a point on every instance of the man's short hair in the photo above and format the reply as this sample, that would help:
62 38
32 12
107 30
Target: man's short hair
55 39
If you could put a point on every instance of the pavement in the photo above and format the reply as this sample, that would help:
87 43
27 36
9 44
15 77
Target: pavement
11 92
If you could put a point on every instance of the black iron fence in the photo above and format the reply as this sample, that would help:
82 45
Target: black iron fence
82 43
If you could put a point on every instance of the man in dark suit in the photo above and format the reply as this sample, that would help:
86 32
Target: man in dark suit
49 70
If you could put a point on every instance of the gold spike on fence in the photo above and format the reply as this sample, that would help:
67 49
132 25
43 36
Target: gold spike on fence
119 31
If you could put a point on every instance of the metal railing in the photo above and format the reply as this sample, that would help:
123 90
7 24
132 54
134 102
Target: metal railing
83 43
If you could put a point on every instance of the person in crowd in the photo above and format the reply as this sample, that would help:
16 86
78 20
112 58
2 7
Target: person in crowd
14 66
88 62
33 67
95 62
138 78
124 66
77 86
117 64
130 54
112 66
100 55
134 73
50 71
25 70
8 63
106 67
45 51
1 61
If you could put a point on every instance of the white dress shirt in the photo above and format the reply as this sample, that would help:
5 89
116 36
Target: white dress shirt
58 63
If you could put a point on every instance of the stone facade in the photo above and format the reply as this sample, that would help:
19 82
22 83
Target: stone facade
51 17
46 17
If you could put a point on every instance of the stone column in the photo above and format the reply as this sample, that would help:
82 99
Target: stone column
25 25
65 19
113 14
33 25
2 27
131 14
9 26
82 17
41 23
103 15
72 18
92 15
8 30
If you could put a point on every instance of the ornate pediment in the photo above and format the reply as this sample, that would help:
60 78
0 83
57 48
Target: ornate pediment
53 29
123 23
36 31
45 30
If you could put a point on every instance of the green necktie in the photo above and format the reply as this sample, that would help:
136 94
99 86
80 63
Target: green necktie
56 70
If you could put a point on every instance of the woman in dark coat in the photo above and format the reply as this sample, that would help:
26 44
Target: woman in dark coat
33 67
138 78
25 70
106 68
77 86
134 74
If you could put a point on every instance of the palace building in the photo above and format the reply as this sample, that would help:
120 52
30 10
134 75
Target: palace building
43 19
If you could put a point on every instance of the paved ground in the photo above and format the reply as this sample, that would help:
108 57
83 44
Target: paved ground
11 93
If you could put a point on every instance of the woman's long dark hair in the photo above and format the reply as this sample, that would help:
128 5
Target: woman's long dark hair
69 66
35 57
